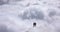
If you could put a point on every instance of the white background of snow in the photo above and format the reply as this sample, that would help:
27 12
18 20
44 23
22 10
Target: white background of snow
9 16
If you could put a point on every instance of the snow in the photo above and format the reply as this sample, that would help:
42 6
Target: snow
19 15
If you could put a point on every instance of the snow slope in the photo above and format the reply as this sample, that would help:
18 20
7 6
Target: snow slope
19 15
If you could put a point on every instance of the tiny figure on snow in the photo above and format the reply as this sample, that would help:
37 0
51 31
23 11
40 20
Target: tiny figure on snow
34 24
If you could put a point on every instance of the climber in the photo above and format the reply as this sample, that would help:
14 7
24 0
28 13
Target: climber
34 24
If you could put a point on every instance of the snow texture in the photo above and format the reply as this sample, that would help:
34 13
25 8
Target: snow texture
19 15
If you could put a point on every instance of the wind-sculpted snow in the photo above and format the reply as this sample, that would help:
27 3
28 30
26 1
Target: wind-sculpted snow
19 16
52 12
32 14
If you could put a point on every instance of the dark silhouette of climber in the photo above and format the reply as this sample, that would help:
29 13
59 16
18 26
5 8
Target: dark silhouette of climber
34 24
